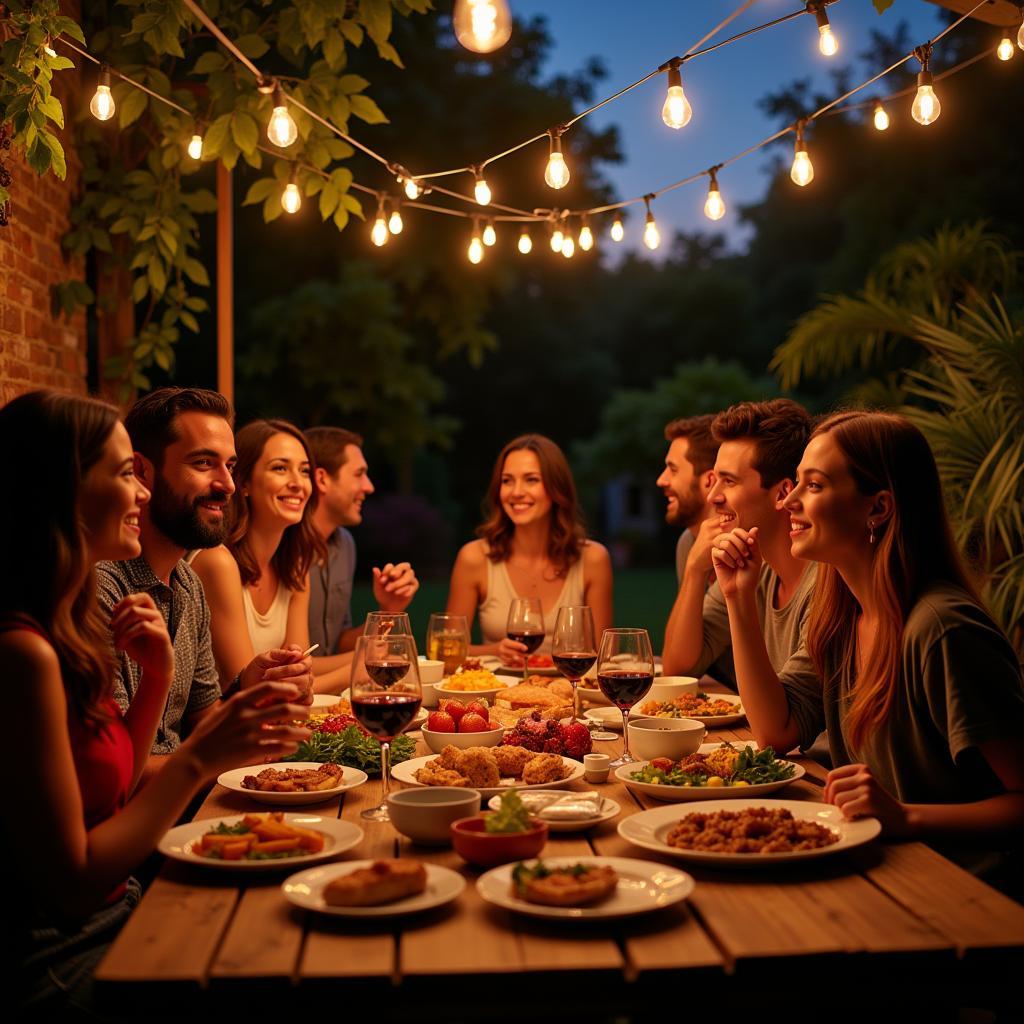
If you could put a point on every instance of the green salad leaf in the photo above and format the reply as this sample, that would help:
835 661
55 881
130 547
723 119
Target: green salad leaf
511 816
352 747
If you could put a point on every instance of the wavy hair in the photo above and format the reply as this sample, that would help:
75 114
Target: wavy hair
301 544
54 440
567 533
915 549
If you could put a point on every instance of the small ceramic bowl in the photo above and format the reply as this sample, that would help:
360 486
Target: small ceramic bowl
442 690
670 687
664 737
431 673
425 815
437 741
487 850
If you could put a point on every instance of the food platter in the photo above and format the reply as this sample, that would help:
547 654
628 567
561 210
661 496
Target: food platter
649 828
606 717
305 890
405 772
643 886
609 810
351 777
683 794
711 721
496 665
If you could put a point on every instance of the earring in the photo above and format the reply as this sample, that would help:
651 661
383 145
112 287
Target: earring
871 532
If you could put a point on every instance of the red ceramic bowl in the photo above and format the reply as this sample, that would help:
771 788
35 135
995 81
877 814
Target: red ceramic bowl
487 850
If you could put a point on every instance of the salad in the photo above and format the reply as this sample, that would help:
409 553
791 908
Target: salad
340 739
726 766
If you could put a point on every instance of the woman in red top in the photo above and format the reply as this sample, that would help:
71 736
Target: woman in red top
73 828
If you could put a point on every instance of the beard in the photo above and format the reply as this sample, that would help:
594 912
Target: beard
180 521
689 508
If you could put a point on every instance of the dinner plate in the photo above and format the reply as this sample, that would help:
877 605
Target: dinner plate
649 828
709 720
607 717
325 700
681 794
609 810
643 886
405 772
351 777
305 890
339 837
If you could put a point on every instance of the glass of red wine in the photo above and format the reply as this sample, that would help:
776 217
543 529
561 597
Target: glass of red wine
526 626
625 672
385 694
573 646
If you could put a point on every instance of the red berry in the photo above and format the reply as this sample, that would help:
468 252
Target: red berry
576 737
477 707
553 745
440 721
455 708
472 722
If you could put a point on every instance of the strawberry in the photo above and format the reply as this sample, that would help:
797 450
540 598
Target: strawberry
577 741
440 721
472 722
455 708
477 707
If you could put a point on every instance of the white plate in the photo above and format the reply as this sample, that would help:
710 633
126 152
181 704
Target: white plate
325 700
709 720
649 828
643 886
607 718
610 809
351 777
681 794
340 836
306 890
405 772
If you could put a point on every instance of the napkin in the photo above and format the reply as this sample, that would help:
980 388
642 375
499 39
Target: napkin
563 806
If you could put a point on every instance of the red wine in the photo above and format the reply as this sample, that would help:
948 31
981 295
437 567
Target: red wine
388 671
385 715
624 688
574 665
531 639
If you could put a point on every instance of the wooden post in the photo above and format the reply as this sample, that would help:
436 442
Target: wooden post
225 286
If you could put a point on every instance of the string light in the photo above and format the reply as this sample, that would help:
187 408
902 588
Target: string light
102 103
652 236
1020 31
827 42
557 238
413 189
676 112
291 199
525 243
881 118
586 239
714 206
482 26
481 190
195 146
802 171
568 245
926 107
490 236
618 232
395 224
379 231
1005 50
476 247
556 174
281 130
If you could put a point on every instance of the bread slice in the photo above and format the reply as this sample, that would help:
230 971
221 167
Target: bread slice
384 881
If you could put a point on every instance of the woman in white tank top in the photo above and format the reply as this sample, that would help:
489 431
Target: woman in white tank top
532 545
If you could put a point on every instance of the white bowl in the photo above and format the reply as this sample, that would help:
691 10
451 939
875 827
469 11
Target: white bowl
441 689
670 687
423 815
664 737
437 741
430 671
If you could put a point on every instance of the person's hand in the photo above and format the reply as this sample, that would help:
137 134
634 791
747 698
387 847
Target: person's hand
699 557
736 556
394 586
256 725
281 665
857 793
140 631
512 652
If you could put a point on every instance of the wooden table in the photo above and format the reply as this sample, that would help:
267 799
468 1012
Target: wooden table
889 925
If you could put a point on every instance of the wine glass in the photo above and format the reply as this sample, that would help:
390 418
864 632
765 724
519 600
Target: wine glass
625 672
385 623
526 626
573 647
447 640
385 695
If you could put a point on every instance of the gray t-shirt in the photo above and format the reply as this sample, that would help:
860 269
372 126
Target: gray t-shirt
330 593
686 541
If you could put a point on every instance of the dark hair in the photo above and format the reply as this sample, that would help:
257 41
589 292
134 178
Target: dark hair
567 534
54 440
328 446
780 430
702 449
301 543
151 420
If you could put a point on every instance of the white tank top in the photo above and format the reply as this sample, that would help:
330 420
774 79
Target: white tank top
267 632
493 611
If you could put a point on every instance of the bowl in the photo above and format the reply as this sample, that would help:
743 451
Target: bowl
664 737
424 815
441 689
487 850
431 673
669 687
437 741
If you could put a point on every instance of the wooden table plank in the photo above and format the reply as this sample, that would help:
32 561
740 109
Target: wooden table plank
264 938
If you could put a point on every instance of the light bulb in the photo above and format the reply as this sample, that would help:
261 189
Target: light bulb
652 236
481 190
102 102
476 249
1004 51
379 231
586 239
568 246
827 42
490 235
556 240
395 224
482 25
926 107
412 188
525 242
676 112
881 117
714 207
1020 35
291 199
281 131
802 171
195 146
556 174
618 232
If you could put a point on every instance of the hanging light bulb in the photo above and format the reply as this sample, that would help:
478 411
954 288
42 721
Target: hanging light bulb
490 236
556 174
652 236
618 232
557 237
281 130
827 42
291 198
525 243
881 117
1020 31
195 146
802 171
714 207
568 245
379 232
476 247
395 224
481 190
1004 51
102 102
413 189
482 26
676 112
586 239
926 107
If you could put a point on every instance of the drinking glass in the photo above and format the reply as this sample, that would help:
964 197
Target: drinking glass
573 647
625 672
526 626
448 640
385 694
385 623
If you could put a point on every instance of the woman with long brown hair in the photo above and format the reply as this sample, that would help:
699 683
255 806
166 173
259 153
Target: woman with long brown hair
532 544
920 690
